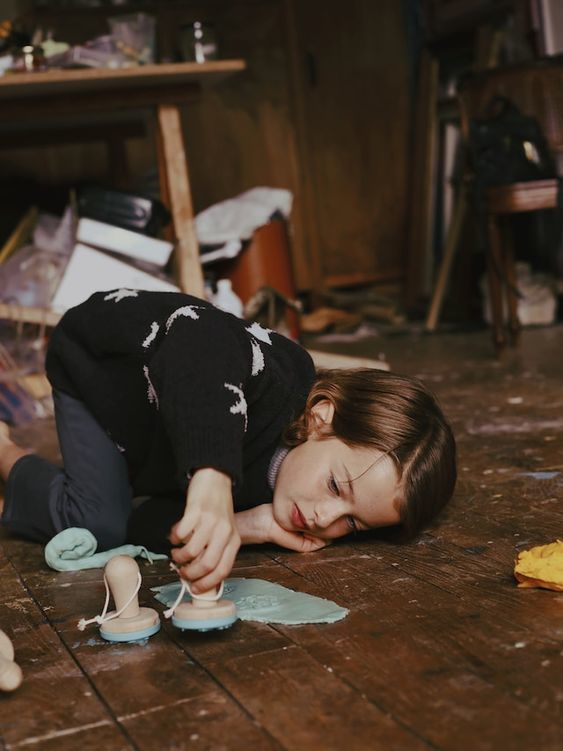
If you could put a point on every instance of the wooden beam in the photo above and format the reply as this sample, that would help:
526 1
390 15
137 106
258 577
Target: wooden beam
419 242
82 102
34 137
173 168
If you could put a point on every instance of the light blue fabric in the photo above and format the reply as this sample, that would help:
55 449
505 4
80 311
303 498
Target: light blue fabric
266 602
541 475
74 549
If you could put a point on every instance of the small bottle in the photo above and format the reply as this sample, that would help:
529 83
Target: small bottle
198 42
226 299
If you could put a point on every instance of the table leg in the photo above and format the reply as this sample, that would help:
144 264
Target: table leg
173 169
452 241
495 274
511 283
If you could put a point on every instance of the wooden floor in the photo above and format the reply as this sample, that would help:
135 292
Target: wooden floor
441 650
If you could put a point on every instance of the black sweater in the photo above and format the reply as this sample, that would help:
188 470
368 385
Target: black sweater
179 384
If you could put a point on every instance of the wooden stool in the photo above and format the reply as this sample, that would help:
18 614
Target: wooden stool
502 201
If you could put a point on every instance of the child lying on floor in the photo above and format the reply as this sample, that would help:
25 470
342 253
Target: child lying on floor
227 431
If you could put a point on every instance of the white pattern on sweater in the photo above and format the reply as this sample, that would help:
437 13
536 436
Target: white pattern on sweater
240 407
257 358
151 337
151 391
189 311
119 294
260 332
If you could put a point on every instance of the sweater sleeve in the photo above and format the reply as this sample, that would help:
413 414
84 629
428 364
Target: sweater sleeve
196 378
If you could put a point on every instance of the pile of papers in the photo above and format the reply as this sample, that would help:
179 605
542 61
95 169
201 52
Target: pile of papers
96 263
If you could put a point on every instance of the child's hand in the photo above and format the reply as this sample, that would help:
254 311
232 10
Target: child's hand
207 532
257 525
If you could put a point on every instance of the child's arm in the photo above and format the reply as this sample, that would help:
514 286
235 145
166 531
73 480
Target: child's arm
257 525
207 531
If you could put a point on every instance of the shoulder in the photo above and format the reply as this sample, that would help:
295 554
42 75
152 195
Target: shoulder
122 301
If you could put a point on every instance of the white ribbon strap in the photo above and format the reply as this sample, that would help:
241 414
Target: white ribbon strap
170 612
82 623
147 554
186 588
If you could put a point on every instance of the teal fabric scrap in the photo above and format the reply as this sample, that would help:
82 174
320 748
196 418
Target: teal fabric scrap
74 549
266 602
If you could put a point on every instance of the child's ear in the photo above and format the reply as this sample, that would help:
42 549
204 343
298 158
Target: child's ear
321 416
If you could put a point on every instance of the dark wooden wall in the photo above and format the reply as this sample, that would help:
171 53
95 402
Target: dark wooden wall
322 110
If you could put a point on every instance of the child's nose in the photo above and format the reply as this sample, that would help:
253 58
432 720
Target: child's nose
327 512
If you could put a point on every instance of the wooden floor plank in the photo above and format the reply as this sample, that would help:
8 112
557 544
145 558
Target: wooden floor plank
56 700
409 673
208 722
304 704
440 650
86 738
500 638
146 684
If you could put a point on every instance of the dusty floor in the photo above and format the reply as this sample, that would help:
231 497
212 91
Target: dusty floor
441 650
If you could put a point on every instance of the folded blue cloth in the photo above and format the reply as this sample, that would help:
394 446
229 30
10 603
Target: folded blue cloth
74 549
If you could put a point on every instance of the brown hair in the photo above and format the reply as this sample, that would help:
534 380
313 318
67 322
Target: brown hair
399 416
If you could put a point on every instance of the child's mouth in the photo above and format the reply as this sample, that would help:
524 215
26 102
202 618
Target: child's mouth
297 518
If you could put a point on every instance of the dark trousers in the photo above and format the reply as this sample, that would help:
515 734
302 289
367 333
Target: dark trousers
91 490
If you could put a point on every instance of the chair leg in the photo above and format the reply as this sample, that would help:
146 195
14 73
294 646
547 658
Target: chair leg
452 241
511 283
495 270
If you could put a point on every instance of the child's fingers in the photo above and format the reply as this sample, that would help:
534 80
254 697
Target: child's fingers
299 542
193 548
221 542
219 573
210 557
182 530
310 544
190 532
210 535
174 537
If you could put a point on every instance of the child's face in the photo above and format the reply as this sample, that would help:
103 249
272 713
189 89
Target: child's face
327 489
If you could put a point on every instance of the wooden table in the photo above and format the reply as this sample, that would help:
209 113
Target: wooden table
44 97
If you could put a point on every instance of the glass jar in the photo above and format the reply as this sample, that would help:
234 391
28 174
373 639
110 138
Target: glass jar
198 42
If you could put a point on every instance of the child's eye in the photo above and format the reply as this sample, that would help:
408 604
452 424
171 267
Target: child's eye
333 485
351 522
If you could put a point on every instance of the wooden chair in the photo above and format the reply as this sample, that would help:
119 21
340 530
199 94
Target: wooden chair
537 89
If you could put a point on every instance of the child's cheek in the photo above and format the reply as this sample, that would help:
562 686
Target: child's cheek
337 529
